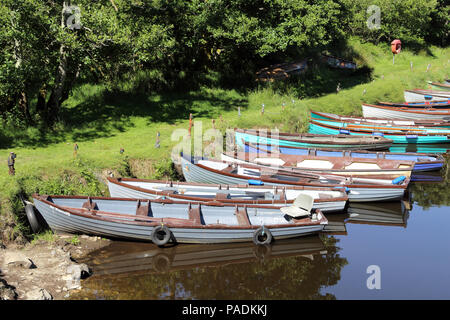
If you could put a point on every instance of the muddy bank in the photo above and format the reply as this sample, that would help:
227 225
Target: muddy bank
45 270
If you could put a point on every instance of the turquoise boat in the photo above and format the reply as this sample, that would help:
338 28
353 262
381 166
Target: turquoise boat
397 135
340 141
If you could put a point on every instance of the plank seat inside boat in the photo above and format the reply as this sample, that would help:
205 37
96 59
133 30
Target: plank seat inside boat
195 214
222 196
242 217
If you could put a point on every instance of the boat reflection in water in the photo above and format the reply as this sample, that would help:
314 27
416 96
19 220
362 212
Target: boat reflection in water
287 269
124 257
421 148
381 213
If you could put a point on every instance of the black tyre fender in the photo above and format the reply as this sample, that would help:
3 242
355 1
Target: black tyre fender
262 236
161 235
33 218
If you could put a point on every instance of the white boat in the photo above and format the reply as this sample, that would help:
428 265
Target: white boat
404 113
325 199
421 95
212 171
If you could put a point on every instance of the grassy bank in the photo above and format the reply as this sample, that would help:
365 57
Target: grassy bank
101 123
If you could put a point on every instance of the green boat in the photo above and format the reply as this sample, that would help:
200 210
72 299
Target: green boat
405 135
340 141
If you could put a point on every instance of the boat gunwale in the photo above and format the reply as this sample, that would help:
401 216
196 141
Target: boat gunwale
366 131
243 201
439 157
169 222
404 185
372 140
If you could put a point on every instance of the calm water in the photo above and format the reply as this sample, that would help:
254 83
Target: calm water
408 240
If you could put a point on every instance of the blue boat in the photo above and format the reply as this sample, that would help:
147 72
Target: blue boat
340 141
423 162
397 135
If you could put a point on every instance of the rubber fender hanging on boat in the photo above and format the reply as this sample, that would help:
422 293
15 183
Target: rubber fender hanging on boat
347 190
161 235
398 180
344 131
33 218
255 182
379 134
262 236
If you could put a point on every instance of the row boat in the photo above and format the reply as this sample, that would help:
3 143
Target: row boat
325 199
422 161
182 222
339 141
342 166
405 113
423 104
421 95
439 86
396 135
212 171
316 115
338 63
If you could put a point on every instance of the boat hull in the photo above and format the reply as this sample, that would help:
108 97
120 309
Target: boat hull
423 162
64 221
425 95
120 191
241 137
317 127
396 113
194 173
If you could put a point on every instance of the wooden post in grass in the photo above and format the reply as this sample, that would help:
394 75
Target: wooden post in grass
428 67
214 124
411 65
75 150
239 112
157 145
190 123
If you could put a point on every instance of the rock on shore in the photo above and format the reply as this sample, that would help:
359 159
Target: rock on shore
45 270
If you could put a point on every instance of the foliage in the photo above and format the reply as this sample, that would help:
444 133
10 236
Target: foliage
408 20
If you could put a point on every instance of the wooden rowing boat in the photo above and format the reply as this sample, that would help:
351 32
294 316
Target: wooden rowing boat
438 124
422 161
342 166
372 111
445 104
439 86
212 171
325 199
339 141
397 135
162 221
338 63
421 95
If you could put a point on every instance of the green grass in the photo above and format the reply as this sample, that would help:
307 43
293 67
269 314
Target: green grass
101 123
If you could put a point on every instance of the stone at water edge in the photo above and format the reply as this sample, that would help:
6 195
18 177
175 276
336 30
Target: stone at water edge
38 294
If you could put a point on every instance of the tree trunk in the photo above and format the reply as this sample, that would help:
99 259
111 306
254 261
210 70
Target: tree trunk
54 103
23 106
